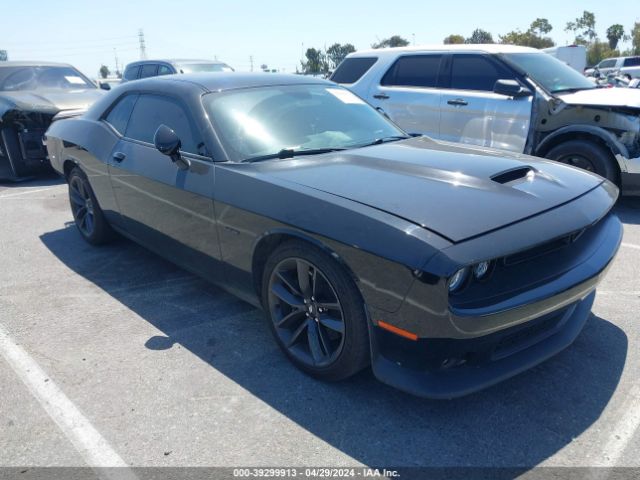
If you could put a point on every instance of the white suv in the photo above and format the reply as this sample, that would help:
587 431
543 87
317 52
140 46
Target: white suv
629 66
501 96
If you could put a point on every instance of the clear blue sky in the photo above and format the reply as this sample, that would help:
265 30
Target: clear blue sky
85 33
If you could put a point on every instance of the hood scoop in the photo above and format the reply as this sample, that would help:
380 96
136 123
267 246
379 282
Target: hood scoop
514 174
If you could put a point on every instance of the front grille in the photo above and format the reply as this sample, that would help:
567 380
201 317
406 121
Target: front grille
529 335
543 249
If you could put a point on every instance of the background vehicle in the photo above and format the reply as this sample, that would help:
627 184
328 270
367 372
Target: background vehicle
153 68
501 96
448 267
31 95
108 83
618 65
573 55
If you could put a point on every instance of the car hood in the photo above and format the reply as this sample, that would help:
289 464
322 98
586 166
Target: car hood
604 97
444 187
48 101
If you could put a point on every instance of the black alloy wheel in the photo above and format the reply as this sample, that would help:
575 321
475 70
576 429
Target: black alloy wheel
88 216
316 312
82 205
306 312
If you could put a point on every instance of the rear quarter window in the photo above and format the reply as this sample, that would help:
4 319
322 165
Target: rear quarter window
632 62
352 69
118 116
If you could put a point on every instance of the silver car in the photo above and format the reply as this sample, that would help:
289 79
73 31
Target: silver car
506 97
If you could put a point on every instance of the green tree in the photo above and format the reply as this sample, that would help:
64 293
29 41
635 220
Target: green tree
4 56
104 71
584 28
480 36
597 51
635 39
614 34
393 41
453 39
316 62
533 37
540 26
337 52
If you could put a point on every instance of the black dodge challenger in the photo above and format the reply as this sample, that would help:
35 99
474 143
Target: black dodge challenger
446 267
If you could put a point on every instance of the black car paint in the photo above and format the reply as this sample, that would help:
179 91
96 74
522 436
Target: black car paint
219 218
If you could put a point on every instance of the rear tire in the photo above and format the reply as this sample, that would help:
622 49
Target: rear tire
315 311
88 215
586 155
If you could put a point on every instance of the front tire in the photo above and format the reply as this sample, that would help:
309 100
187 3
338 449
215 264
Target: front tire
315 311
88 215
586 155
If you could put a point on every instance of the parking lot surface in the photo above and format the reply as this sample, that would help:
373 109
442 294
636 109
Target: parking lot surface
114 356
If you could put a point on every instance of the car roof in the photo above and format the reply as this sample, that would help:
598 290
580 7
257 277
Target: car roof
34 64
485 48
174 61
219 81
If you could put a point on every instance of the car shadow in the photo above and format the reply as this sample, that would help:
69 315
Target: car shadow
43 179
518 423
628 210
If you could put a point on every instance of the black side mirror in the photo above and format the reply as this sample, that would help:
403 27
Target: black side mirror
168 143
510 88
105 86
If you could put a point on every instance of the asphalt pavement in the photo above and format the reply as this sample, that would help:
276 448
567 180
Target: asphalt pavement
114 356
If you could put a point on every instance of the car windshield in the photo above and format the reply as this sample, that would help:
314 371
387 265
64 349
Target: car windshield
35 78
552 74
261 122
203 67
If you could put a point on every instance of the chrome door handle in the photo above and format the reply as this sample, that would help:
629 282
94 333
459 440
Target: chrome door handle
119 156
458 102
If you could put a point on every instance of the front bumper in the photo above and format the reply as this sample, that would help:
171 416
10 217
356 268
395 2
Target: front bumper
430 367
461 351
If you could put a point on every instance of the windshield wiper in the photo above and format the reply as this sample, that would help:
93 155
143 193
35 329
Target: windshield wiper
290 153
378 141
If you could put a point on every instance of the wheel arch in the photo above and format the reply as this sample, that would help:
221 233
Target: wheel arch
68 165
585 132
266 244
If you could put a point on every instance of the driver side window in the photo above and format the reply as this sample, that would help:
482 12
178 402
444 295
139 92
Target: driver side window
152 110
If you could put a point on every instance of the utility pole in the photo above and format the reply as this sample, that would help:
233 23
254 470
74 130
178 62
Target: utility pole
251 61
115 54
143 49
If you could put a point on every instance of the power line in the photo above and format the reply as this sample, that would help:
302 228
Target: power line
87 48
11 44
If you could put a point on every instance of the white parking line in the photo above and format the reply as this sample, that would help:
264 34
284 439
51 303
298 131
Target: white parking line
92 446
624 431
24 192
630 245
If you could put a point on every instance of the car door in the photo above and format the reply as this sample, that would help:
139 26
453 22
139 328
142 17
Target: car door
167 209
409 93
470 111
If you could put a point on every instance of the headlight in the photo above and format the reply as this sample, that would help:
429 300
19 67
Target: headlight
481 269
458 279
